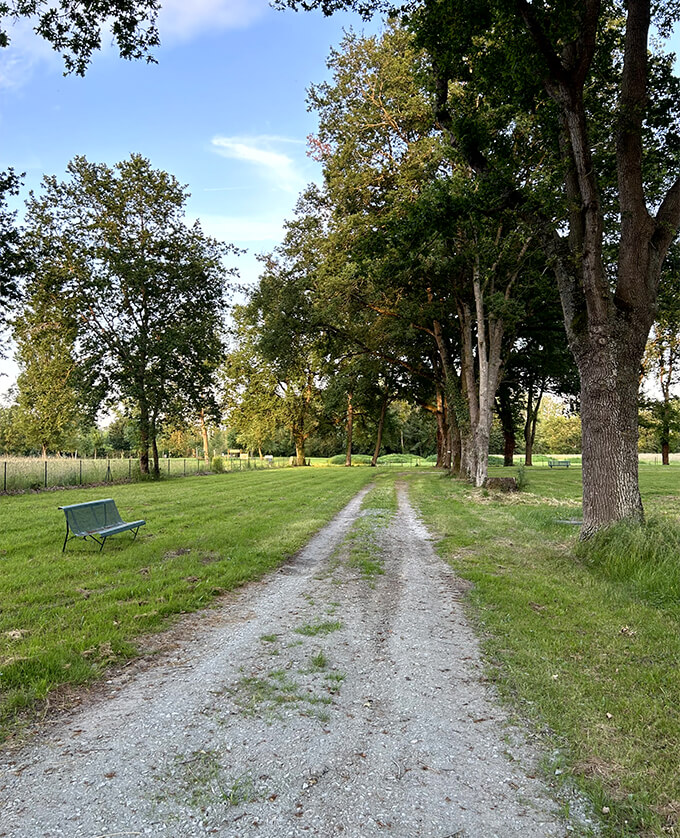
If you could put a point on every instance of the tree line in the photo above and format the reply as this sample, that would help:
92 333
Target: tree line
560 127
497 220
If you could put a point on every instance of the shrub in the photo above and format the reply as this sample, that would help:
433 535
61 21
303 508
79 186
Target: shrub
357 460
400 458
217 465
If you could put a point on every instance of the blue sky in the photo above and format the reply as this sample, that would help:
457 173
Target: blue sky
223 110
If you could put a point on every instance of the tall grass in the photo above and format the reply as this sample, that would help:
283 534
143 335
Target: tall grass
645 560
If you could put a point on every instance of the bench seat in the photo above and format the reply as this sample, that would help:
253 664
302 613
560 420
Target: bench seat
96 519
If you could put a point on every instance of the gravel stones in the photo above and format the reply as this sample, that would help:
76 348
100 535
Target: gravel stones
379 724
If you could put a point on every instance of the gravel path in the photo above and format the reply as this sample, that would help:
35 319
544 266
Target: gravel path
317 702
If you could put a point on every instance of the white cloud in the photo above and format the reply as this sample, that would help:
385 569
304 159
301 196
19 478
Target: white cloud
259 152
26 50
180 20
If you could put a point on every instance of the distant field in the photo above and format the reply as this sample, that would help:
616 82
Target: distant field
21 473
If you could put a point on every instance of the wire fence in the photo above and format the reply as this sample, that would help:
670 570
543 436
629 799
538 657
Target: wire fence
19 474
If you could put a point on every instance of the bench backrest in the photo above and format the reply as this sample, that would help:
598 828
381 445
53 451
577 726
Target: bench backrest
87 517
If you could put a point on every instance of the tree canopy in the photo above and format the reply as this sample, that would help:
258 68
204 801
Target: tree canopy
147 291
74 27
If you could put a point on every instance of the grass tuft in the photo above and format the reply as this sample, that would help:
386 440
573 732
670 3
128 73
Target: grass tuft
319 628
643 559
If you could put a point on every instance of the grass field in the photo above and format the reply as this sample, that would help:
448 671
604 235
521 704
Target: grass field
584 640
65 617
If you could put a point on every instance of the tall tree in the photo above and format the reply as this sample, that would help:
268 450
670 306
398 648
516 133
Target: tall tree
604 103
147 289
73 28
49 383
661 361
12 264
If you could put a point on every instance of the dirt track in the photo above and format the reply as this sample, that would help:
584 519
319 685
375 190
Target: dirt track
316 702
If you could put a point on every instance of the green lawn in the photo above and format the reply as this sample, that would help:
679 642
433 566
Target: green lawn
65 617
584 640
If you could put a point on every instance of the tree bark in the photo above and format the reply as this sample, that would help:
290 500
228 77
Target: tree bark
350 430
204 437
153 430
381 425
505 414
609 415
143 437
300 450
531 422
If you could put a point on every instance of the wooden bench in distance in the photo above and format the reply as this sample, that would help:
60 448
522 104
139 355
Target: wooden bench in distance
96 518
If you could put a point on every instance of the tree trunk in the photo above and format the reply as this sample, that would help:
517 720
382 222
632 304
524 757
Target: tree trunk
300 452
381 425
666 413
509 447
455 420
204 437
505 414
609 419
143 438
154 449
531 422
455 447
607 327
480 391
350 430
443 457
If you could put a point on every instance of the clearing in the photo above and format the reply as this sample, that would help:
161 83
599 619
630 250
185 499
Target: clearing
342 695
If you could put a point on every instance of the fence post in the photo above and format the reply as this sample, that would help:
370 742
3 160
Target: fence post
80 463
4 487
108 477
185 466
129 468
168 466
45 473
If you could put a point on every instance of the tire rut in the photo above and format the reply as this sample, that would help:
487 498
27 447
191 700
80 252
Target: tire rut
315 702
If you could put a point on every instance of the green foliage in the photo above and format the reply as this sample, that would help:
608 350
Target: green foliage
74 27
357 460
144 289
217 465
558 432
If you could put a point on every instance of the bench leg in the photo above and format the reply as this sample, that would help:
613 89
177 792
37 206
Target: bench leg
65 540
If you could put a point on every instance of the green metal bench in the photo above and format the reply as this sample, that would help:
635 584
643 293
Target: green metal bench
559 463
96 519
